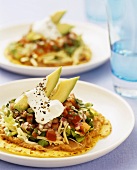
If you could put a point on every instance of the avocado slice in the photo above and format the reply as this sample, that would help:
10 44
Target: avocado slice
64 28
61 93
63 89
21 103
56 17
52 80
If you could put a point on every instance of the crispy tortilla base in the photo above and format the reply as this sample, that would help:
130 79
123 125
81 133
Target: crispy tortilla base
102 128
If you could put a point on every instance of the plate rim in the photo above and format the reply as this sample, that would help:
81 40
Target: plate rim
97 154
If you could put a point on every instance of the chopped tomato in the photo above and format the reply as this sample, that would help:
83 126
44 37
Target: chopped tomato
76 119
65 113
73 101
51 135
70 118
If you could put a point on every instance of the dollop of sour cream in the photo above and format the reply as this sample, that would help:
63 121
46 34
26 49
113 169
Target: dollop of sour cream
47 28
45 109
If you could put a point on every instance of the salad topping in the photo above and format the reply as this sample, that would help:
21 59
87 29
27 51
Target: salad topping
74 123
47 28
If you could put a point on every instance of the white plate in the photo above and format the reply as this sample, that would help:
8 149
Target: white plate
94 36
109 104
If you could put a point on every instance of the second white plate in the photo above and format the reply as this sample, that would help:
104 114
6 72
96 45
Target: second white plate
94 36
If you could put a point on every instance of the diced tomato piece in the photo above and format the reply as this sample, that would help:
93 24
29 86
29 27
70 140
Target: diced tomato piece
69 118
76 119
51 135
73 101
65 113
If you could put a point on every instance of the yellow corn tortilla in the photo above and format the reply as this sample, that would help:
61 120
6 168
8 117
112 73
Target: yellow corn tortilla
7 144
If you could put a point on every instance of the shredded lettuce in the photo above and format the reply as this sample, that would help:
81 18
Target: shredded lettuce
11 125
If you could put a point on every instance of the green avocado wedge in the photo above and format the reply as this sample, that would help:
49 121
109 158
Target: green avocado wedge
64 28
63 89
56 17
22 103
52 80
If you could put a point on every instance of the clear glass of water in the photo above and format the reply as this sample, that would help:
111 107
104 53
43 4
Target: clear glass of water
123 44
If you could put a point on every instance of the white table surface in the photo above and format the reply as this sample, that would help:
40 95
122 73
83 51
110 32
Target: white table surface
17 11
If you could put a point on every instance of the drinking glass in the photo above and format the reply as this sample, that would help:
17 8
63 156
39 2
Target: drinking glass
96 11
123 44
